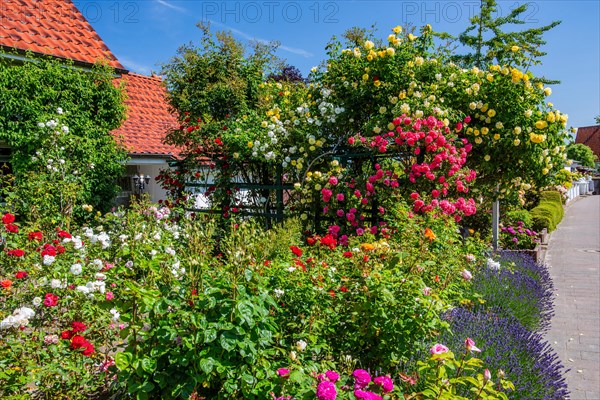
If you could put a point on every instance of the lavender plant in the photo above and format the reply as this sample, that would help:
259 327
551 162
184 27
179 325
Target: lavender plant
518 287
524 357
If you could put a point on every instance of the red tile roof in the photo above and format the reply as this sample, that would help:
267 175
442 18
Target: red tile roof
52 27
148 117
589 135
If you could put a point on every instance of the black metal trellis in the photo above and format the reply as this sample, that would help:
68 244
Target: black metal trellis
277 193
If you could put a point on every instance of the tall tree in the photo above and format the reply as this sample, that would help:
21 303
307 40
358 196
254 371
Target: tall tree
491 42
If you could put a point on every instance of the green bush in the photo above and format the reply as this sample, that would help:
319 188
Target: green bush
551 196
547 215
516 216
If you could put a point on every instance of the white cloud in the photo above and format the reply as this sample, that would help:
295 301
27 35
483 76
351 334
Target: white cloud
135 66
171 6
247 36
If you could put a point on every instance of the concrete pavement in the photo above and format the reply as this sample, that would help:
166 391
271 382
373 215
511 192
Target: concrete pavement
573 259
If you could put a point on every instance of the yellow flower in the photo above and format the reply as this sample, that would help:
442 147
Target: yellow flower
391 126
487 158
390 51
517 130
391 38
541 124
550 117
382 110
545 171
499 125
377 83
547 91
515 48
476 132
369 57
516 142
411 37
491 113
490 77
419 61
535 138
250 144
377 129
365 77
478 140
381 53
369 45
484 130
397 29
496 136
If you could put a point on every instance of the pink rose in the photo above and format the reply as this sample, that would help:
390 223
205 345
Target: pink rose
438 349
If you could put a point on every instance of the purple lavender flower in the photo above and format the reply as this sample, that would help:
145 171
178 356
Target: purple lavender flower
527 360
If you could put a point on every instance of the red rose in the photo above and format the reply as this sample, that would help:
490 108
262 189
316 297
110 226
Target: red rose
78 342
347 254
64 234
16 253
48 250
8 218
329 241
66 334
311 240
296 250
35 235
50 300
60 249
11 228
88 349
21 275
78 326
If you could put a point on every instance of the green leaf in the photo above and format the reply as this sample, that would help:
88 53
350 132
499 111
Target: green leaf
148 364
123 360
206 364
248 274
210 335
228 341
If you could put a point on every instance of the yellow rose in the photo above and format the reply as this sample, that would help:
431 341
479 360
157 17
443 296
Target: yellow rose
392 38
541 124
397 29
491 113
547 91
515 48
489 77
250 144
411 37
545 171
390 51
487 158
517 130
496 136
484 130
377 83
365 77
478 140
516 142
377 129
369 45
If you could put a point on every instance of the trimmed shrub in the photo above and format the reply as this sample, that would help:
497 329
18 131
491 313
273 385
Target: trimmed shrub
549 212
551 196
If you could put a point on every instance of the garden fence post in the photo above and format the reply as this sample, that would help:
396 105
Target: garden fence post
495 223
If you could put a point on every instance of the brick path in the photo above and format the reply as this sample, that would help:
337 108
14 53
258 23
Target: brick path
573 257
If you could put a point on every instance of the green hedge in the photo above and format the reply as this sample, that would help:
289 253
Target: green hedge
549 212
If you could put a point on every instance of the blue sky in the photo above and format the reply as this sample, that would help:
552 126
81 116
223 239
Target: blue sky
144 34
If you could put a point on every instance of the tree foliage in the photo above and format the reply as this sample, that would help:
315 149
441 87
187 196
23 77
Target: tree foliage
582 153
492 42
30 94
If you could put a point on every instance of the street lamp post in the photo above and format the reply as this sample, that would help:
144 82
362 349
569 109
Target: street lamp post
139 183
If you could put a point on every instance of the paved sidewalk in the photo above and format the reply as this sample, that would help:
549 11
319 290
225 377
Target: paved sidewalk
573 258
